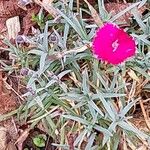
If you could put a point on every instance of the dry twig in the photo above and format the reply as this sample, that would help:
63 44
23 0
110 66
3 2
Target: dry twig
48 7
146 118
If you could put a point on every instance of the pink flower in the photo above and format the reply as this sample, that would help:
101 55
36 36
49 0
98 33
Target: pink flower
113 44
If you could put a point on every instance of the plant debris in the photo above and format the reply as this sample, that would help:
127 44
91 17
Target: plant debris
10 8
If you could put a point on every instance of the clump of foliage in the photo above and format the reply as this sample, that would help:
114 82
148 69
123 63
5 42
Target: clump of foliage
73 94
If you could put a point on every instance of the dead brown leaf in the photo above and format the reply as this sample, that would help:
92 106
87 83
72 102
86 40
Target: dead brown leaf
3 138
48 7
22 138
143 147
94 14
11 146
132 74
13 27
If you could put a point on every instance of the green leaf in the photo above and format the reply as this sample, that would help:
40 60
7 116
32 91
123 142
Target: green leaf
127 108
38 99
103 130
85 86
137 17
42 62
78 119
112 128
74 24
102 81
115 141
71 4
142 38
107 95
63 73
80 138
94 106
129 127
36 52
124 11
142 72
45 38
90 141
40 140
66 32
51 82
143 2
106 106
51 123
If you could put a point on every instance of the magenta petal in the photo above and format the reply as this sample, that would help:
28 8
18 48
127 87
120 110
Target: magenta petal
113 44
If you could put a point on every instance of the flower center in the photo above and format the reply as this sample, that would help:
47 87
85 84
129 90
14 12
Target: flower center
115 45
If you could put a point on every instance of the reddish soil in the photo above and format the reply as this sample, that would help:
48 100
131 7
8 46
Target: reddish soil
7 98
11 8
8 9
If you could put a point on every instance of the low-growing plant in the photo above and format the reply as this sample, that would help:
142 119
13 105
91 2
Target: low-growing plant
70 92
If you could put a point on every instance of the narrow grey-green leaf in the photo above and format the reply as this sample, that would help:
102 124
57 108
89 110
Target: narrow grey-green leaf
106 106
51 82
127 126
63 73
90 141
85 86
127 108
78 119
80 138
42 62
124 11
36 52
95 107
